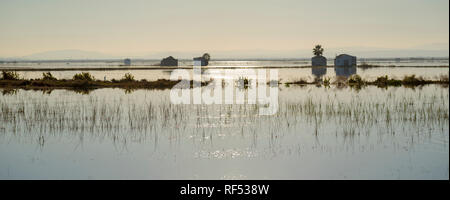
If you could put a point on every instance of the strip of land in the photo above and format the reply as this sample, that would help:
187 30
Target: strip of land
168 84
382 81
86 84
108 68
85 81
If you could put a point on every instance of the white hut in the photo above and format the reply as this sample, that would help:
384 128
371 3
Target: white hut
345 60
127 62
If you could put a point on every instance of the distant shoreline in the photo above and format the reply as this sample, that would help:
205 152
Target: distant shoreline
6 60
190 67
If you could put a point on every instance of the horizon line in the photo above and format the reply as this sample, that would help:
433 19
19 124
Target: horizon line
217 59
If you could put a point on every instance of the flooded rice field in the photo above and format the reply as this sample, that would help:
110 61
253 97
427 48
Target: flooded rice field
332 132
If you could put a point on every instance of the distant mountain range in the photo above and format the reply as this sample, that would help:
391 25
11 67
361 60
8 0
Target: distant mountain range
66 55
432 50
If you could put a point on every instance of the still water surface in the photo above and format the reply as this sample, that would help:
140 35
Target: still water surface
317 133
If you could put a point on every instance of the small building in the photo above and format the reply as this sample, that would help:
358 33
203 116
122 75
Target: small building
169 61
345 60
319 61
127 62
200 61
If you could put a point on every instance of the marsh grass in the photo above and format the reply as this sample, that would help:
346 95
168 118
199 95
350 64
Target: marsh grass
326 81
84 81
83 76
300 81
355 80
243 82
48 76
367 66
128 77
10 75
382 81
125 119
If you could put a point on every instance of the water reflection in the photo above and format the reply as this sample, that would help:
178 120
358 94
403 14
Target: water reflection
318 72
9 91
317 133
345 71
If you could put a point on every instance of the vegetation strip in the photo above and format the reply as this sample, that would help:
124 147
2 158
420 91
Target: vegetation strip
381 81
84 80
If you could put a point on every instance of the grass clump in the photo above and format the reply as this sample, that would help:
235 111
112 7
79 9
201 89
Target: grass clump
412 80
383 81
443 78
48 77
128 77
10 75
355 79
300 81
243 82
84 76
367 66
326 81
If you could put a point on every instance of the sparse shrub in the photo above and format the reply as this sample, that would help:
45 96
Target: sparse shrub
326 81
8 75
48 76
243 81
385 81
83 91
300 81
127 77
364 66
9 91
382 80
412 80
85 76
443 78
355 79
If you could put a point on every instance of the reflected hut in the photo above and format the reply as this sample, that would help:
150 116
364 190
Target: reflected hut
318 72
345 71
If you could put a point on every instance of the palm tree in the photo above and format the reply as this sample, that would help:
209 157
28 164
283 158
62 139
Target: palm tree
206 56
318 50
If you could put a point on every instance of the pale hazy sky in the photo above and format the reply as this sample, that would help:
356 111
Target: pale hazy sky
139 27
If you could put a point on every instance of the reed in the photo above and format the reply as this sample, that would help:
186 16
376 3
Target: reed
87 81
48 76
10 75
135 117
83 76
128 77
